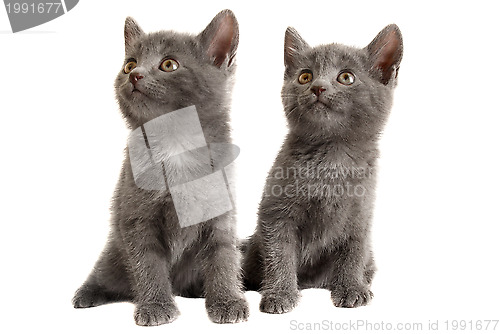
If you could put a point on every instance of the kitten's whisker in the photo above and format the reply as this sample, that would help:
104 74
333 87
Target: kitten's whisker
291 110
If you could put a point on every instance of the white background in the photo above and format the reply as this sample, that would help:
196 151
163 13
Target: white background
436 225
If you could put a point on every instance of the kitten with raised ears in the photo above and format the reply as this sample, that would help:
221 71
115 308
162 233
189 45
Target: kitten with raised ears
314 218
149 258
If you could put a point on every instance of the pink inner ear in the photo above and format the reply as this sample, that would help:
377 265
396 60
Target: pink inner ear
128 38
131 31
220 45
290 50
293 45
387 54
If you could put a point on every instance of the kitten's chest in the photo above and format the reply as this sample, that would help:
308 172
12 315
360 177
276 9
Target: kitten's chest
337 184
325 224
180 240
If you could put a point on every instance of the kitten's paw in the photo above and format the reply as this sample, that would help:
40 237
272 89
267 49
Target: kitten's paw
351 297
89 297
155 314
368 276
279 302
227 311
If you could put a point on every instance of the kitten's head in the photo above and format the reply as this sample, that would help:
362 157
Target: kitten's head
165 71
336 91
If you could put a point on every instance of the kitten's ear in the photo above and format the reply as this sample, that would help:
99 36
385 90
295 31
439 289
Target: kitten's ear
131 32
220 38
294 45
386 52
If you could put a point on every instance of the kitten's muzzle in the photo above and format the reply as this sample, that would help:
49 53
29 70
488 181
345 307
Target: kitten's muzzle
317 90
135 77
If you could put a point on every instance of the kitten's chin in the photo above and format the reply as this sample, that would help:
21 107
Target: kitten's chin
137 94
322 112
320 106
319 121
140 99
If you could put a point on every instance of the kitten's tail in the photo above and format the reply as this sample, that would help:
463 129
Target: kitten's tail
251 264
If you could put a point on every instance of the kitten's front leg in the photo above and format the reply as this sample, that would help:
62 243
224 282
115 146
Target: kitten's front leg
150 264
108 282
224 299
280 293
350 287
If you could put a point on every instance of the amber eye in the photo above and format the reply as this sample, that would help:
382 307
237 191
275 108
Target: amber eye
129 66
305 77
169 65
346 78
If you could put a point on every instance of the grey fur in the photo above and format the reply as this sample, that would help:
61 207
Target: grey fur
149 258
310 234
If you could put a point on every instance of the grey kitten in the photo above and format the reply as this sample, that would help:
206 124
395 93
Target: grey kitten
149 257
314 219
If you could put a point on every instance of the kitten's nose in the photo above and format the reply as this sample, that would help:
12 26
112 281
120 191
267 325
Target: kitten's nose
317 90
135 77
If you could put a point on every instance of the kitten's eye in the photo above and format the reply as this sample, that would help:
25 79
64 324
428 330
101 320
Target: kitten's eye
169 65
346 78
129 66
305 77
